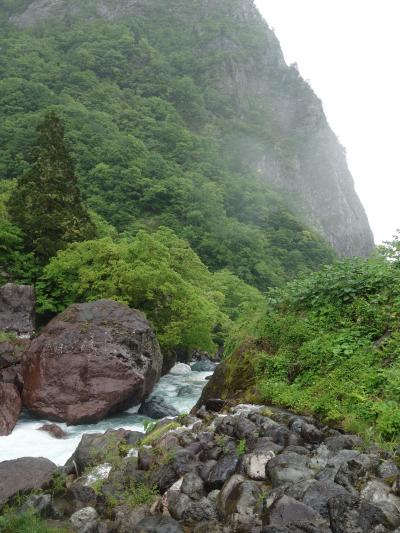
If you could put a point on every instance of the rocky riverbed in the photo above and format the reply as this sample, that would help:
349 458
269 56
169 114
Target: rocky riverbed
245 469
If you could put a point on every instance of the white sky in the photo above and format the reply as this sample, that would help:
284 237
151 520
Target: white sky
348 51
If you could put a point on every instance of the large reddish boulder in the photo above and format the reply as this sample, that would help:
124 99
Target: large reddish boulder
92 360
10 408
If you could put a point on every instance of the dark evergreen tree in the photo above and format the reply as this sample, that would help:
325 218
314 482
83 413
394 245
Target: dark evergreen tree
46 204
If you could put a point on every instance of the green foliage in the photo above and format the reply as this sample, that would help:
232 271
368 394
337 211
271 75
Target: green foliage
241 447
28 522
153 141
329 344
156 434
157 273
45 203
149 425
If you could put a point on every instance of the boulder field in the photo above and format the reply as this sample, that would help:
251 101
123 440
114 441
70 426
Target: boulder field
92 360
249 469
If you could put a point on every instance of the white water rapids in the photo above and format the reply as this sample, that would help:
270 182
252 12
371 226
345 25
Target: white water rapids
27 441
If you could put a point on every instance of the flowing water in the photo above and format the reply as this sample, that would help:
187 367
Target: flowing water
181 391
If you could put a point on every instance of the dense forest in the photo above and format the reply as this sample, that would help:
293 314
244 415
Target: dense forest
146 146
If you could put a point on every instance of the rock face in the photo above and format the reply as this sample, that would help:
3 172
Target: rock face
290 144
24 475
92 360
17 309
10 408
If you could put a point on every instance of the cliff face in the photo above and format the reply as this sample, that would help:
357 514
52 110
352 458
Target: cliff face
269 120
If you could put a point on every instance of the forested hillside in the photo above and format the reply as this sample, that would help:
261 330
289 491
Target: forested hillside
178 115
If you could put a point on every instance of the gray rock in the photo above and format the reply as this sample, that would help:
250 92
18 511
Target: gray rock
156 407
342 442
158 524
349 514
319 493
41 504
200 510
288 468
221 471
308 432
177 503
84 517
286 510
255 463
193 486
240 504
204 366
93 449
17 309
24 475
180 369
387 470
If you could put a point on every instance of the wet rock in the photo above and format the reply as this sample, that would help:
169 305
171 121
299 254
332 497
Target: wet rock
177 503
349 514
41 504
156 407
24 475
200 510
81 519
204 366
17 309
319 493
255 463
387 470
240 504
379 494
221 471
186 390
351 474
308 432
94 448
158 524
180 369
54 430
288 468
288 511
92 360
10 408
193 486
342 442
214 404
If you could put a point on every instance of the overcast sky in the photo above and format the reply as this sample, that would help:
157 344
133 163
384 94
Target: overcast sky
348 51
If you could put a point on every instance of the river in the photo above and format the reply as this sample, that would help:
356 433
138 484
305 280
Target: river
27 441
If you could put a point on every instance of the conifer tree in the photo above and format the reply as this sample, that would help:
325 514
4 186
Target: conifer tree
47 204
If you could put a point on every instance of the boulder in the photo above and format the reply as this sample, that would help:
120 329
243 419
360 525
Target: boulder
255 463
158 524
92 360
24 475
288 468
349 514
156 407
84 517
54 431
180 369
94 448
10 408
240 504
204 366
17 309
286 510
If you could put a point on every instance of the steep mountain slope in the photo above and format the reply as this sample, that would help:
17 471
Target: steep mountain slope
269 120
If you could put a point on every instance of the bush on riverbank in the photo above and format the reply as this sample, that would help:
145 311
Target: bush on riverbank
329 344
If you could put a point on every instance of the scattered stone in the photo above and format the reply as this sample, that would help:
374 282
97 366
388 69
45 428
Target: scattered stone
255 464
84 517
23 476
158 524
54 430
156 407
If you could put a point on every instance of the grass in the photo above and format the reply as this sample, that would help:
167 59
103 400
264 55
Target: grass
156 434
28 522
